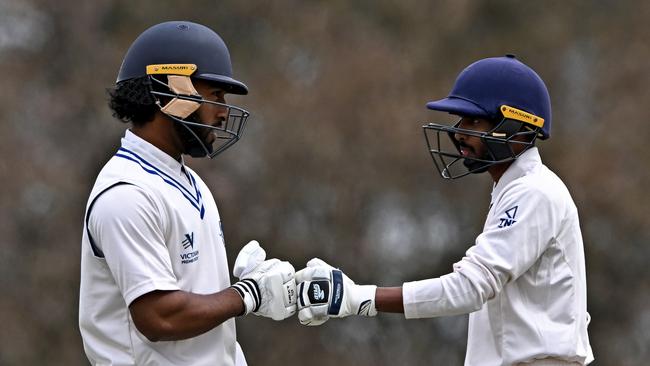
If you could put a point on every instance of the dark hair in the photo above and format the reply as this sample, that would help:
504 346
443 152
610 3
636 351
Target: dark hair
131 101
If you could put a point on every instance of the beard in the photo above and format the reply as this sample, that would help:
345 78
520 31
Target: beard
473 165
476 166
193 146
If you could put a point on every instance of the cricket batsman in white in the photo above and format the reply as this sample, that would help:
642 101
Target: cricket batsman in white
155 285
523 281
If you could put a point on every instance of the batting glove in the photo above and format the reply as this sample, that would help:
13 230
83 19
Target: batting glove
267 287
325 292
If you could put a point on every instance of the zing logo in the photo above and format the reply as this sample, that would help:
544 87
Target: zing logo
318 293
510 217
188 243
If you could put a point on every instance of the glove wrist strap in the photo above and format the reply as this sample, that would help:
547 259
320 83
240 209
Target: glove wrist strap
250 294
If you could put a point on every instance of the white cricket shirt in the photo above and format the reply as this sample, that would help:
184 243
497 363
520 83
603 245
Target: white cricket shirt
151 224
524 279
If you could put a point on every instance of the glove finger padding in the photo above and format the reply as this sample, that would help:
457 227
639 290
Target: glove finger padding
249 257
324 292
314 298
267 287
278 286
314 293
264 267
307 316
317 262
316 270
285 280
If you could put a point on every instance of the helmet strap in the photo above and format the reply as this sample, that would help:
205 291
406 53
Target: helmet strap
499 147
501 139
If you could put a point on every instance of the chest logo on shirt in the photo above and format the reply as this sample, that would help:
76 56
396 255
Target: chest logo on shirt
510 217
189 241
188 244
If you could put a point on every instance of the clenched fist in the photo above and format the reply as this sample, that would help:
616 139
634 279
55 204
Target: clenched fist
325 291
267 287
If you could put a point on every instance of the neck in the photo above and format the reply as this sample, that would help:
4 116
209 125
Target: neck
497 170
160 133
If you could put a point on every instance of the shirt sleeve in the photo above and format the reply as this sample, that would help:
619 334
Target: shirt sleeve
127 226
516 234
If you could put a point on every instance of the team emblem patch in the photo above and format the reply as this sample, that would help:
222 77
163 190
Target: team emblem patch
189 241
190 255
510 213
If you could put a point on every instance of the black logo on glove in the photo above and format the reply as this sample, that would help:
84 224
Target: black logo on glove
318 292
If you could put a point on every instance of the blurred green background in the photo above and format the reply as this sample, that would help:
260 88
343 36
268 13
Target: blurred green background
333 162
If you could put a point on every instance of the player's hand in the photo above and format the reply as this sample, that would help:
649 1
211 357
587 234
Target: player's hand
324 292
267 287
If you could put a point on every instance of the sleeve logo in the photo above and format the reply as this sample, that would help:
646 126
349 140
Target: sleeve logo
510 217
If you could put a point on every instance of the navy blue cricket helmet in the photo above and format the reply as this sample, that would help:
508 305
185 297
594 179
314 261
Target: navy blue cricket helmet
486 85
500 89
171 55
182 42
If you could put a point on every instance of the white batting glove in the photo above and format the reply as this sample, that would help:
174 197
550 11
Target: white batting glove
267 287
325 292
